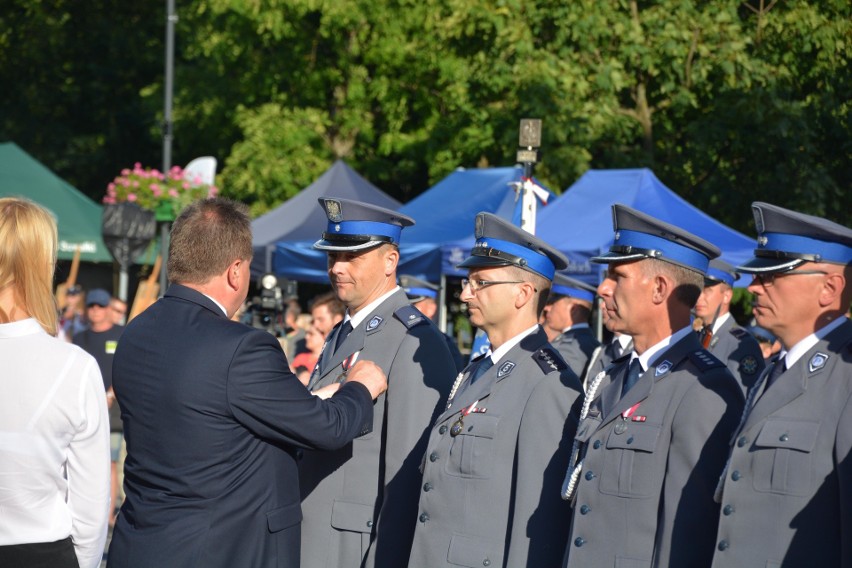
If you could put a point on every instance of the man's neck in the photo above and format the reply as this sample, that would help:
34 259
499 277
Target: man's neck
657 331
101 327
503 332
389 286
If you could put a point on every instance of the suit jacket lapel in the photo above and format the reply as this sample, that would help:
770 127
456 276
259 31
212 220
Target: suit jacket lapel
794 381
655 372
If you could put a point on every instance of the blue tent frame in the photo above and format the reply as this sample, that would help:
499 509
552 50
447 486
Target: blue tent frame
579 223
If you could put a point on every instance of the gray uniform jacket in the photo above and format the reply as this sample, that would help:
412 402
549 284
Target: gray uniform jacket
787 493
738 349
490 494
360 502
576 347
645 494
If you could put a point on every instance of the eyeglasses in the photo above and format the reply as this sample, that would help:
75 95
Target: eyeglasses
767 280
477 285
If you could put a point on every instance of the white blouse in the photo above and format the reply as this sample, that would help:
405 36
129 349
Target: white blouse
54 443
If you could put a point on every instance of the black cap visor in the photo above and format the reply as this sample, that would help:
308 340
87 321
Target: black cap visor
335 242
774 262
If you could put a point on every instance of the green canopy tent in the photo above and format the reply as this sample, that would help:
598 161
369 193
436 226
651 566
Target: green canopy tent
78 217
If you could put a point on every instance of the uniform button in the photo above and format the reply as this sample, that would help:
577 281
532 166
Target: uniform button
427 487
299 454
486 562
784 437
723 545
630 440
442 429
579 541
370 524
590 475
433 456
424 517
741 442
597 444
585 509
728 509
736 475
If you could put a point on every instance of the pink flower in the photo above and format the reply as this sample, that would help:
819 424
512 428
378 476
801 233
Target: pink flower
109 200
135 183
213 191
125 172
173 193
137 166
185 185
131 197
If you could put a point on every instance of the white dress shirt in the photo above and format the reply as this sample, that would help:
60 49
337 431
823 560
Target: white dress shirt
54 443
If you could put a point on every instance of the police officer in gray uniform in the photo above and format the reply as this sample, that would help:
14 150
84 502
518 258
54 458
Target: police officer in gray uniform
650 445
495 457
721 335
786 493
359 504
568 310
424 296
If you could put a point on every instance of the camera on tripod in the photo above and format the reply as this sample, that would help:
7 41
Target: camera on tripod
267 309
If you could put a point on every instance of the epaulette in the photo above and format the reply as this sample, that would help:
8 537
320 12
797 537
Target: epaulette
549 360
739 332
704 359
410 316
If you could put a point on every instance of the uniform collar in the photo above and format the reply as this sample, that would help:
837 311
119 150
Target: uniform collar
805 345
720 320
498 353
359 318
648 356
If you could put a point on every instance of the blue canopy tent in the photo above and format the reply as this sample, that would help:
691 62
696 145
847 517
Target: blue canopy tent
441 237
300 219
579 223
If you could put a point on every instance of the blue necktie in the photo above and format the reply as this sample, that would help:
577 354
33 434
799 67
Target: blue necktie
481 366
633 372
777 369
344 330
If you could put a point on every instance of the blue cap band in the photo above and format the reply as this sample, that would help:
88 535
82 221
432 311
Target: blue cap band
578 293
720 275
365 228
428 292
670 250
536 262
798 244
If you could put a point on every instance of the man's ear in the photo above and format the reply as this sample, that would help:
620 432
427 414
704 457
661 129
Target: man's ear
391 260
235 274
663 288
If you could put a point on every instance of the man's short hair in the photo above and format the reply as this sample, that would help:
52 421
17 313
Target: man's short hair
688 283
206 238
539 282
331 301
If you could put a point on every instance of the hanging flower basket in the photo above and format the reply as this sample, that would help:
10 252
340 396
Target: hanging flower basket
164 194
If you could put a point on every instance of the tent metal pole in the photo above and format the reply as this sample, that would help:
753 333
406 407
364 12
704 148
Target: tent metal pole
442 304
171 18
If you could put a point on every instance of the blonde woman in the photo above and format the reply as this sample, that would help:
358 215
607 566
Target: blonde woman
54 429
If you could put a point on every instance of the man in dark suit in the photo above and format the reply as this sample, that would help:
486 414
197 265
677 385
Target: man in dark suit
786 493
496 455
651 443
721 335
566 315
360 502
213 415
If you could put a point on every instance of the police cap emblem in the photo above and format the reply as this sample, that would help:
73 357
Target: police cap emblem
333 210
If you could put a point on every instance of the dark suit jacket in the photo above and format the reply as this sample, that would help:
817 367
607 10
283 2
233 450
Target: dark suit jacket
212 416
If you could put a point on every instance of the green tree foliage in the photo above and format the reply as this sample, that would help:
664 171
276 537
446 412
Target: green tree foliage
727 101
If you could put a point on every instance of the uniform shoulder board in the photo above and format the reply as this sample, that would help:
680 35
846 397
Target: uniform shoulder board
704 359
410 316
549 360
739 332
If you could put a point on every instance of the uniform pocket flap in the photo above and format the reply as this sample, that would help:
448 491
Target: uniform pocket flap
480 425
789 433
280 519
472 552
355 517
587 427
639 436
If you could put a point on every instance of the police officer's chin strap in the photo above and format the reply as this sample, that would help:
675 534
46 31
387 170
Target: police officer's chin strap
575 467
